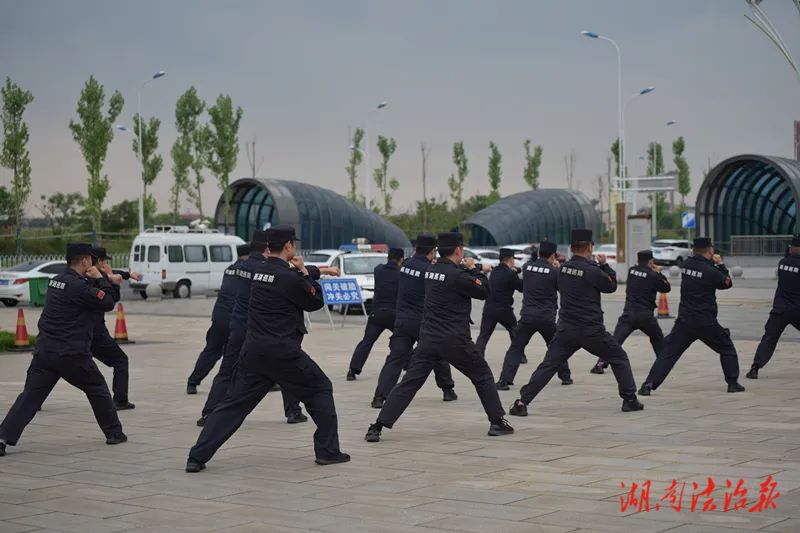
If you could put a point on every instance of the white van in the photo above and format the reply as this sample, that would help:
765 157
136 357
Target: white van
181 260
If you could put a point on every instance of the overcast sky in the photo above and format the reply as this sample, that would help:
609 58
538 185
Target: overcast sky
305 72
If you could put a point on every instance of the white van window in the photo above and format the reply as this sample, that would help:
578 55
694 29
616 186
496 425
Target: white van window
153 254
221 254
137 256
175 254
195 253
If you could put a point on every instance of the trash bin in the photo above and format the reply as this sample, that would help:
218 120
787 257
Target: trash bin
37 288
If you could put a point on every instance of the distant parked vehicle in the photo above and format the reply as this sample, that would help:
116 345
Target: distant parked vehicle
610 251
671 251
484 256
360 266
14 287
322 258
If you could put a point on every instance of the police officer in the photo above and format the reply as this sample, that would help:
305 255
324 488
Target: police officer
701 276
237 332
785 307
539 307
63 348
381 318
645 281
282 288
499 306
445 335
104 348
408 317
581 281
217 334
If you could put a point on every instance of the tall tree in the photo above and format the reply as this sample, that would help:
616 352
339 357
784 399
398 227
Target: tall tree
93 132
356 156
532 163
387 147
191 146
495 171
60 209
684 179
655 159
181 165
223 144
615 153
152 162
14 153
570 160
456 181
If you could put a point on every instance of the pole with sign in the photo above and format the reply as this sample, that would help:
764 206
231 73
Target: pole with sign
689 223
344 292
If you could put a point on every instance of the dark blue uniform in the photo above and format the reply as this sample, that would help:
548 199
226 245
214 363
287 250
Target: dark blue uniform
217 334
580 325
408 318
697 320
499 306
382 316
539 308
106 350
785 309
272 354
445 336
63 351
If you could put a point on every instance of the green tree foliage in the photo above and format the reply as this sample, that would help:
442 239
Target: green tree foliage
93 131
121 217
14 153
655 159
61 209
495 171
152 162
181 165
223 145
684 179
6 206
456 181
356 156
387 147
532 163
615 153
189 150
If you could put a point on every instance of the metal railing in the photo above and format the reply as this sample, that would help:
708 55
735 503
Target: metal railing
759 245
117 260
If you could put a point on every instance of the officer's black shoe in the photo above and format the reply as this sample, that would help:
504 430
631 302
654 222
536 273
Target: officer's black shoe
201 421
296 418
735 387
377 402
500 427
336 459
753 374
524 360
501 384
567 381
351 376
124 406
598 369
117 438
518 409
193 466
191 389
631 405
449 395
2 449
646 389
373 433
275 388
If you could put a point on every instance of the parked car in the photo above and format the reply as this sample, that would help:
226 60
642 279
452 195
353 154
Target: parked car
360 266
181 260
610 251
671 251
483 255
322 258
14 280
523 252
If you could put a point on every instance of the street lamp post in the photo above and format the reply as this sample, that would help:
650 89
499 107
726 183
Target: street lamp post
367 178
646 90
155 76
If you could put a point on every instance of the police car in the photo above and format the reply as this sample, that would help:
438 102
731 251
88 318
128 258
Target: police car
361 266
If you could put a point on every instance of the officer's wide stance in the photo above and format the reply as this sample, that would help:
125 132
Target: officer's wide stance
499 306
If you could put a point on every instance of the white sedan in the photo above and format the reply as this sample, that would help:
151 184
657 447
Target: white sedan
610 251
322 258
14 287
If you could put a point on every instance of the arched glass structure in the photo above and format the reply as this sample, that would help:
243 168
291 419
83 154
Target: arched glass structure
321 217
749 195
532 216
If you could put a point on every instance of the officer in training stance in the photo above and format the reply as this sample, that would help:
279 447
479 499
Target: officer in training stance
281 290
499 306
217 334
645 281
381 318
701 276
408 317
445 335
539 308
104 348
238 331
63 348
580 325
785 307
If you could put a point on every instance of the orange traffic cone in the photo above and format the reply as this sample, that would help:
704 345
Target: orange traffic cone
120 329
22 343
663 306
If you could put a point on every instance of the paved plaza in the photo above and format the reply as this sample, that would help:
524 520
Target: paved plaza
437 470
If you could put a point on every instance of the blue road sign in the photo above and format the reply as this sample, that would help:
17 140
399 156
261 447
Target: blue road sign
344 291
687 220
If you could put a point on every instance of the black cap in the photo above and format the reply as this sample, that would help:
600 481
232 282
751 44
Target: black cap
505 253
77 249
243 249
702 242
396 253
426 239
581 235
796 240
99 252
547 248
450 239
644 256
280 234
259 236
